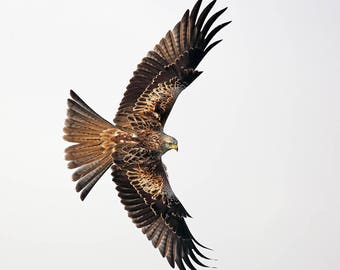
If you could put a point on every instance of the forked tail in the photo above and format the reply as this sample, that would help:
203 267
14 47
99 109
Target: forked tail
93 147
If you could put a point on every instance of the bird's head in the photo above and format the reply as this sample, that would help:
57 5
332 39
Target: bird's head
168 143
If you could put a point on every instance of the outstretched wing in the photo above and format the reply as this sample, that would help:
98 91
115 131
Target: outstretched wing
167 70
150 202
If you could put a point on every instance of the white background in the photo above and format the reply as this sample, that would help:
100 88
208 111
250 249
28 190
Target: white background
258 132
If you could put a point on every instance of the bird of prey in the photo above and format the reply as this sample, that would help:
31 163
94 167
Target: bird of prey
134 143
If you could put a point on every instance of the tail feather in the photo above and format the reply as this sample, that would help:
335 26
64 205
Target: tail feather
84 147
93 174
79 125
81 102
86 152
86 160
74 130
86 170
92 150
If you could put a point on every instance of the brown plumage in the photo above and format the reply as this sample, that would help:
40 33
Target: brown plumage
134 145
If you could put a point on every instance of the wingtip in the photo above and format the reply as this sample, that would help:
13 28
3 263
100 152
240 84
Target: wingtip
195 10
202 246
198 2
212 3
223 9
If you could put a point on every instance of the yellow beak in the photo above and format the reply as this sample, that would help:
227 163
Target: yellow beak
173 146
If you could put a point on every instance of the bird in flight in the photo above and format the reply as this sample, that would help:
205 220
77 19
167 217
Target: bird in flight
134 143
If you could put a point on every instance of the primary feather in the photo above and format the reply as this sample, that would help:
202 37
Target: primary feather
133 147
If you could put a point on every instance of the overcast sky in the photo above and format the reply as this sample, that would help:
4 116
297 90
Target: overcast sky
258 131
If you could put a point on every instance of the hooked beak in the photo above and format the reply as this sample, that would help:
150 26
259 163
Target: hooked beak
174 146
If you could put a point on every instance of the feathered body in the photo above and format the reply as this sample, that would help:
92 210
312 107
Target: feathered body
134 144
